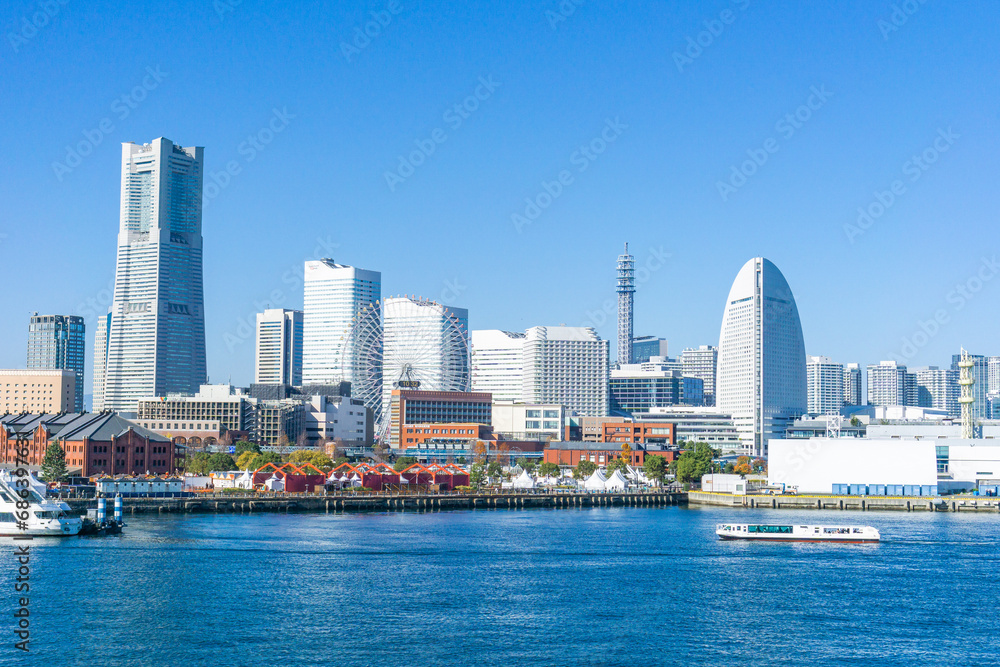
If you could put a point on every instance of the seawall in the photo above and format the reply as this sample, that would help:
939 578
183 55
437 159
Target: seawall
860 503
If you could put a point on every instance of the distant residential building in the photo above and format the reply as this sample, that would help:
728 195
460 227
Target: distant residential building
37 391
762 359
279 424
702 362
278 349
937 388
156 337
993 383
567 366
94 443
825 386
333 296
853 386
889 383
634 388
645 347
498 363
528 421
410 407
57 342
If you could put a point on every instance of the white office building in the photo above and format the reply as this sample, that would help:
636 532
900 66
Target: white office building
278 351
852 384
698 424
528 421
762 358
497 363
156 337
333 295
937 388
566 366
337 418
889 383
645 347
825 386
702 362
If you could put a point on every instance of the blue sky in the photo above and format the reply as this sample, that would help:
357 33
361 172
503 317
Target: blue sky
663 130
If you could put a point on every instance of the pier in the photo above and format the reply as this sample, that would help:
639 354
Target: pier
248 504
858 503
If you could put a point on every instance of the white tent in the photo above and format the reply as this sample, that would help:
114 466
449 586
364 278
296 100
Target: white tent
524 481
274 483
355 479
244 481
595 482
616 482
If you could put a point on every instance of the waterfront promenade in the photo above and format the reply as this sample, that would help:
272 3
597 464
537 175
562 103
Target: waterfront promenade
860 503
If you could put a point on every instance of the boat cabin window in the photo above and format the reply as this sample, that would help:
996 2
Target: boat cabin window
769 529
6 517
6 498
45 515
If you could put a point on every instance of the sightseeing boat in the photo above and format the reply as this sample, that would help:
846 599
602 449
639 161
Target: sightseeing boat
785 533
46 517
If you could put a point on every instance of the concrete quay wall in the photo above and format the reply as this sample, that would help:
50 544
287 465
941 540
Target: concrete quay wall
860 503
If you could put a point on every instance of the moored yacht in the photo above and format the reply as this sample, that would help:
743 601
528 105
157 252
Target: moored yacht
46 517
788 533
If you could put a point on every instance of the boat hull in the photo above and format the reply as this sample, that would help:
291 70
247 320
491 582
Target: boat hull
729 538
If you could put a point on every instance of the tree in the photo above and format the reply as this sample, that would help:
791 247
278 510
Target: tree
730 468
759 465
855 422
584 469
503 454
284 444
526 464
263 459
461 460
220 462
244 459
479 452
54 464
245 446
494 470
548 469
316 458
477 475
691 465
655 468
403 462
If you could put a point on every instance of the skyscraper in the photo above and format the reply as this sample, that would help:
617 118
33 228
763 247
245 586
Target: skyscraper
762 357
497 363
278 352
567 366
703 363
937 388
156 337
889 383
980 372
852 384
626 297
825 386
57 342
333 295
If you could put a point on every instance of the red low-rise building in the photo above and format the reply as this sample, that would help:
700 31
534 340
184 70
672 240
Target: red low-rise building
601 453
94 444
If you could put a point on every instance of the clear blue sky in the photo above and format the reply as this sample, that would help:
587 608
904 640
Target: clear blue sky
446 231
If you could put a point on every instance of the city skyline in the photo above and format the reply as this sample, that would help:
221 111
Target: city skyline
655 187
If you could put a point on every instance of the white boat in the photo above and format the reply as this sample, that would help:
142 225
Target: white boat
46 517
787 533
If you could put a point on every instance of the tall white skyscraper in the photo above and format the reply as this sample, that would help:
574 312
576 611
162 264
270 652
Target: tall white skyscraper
762 357
889 383
567 366
703 363
937 388
498 363
825 386
278 352
852 384
156 337
333 295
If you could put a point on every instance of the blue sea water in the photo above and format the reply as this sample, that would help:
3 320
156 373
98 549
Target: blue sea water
594 586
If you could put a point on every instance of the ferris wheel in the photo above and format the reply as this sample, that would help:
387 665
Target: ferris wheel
404 343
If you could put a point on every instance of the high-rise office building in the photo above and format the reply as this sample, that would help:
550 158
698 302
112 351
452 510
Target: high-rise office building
567 366
825 386
626 299
852 384
703 363
57 342
980 372
762 358
156 337
993 382
645 348
497 363
643 387
334 294
937 388
278 351
889 383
